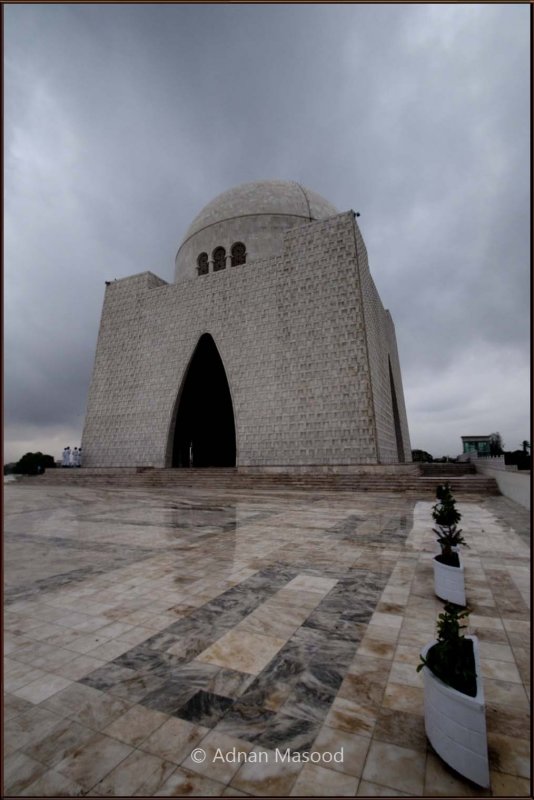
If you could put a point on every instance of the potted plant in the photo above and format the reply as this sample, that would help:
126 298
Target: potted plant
449 581
455 721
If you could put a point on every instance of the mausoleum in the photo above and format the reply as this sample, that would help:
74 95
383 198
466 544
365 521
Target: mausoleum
271 349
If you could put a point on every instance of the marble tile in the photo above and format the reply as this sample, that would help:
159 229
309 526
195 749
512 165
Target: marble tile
79 667
386 620
82 622
59 742
504 785
81 644
98 714
143 658
228 682
313 693
124 683
174 740
406 673
284 732
132 773
293 598
362 690
268 778
376 648
43 631
328 576
109 650
316 781
352 746
245 721
513 722
224 755
42 688
156 780
347 626
55 660
404 698
242 651
15 705
500 670
493 635
12 642
311 583
442 781
88 764
351 717
383 633
511 695
274 620
407 655
184 783
369 789
53 784
12 683
20 771
491 623
135 634
71 699
170 697
510 755
396 767
522 657
136 725
205 708
115 629
29 727
401 728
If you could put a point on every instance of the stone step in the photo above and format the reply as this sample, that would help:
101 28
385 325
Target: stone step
235 480
447 470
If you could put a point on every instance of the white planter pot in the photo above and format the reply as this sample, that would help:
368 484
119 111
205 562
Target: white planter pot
455 723
449 582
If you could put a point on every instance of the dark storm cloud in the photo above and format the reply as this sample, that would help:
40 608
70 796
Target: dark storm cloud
123 121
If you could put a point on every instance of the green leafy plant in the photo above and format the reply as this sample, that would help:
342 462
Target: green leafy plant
451 659
446 516
34 464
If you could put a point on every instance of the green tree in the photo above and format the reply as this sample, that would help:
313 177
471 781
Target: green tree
34 463
496 444
421 455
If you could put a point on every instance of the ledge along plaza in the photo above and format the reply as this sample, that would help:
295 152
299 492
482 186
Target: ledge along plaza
230 596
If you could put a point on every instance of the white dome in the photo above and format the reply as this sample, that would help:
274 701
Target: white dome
263 197
256 214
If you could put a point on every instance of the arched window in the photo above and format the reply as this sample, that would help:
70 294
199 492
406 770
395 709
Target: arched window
202 264
219 259
239 254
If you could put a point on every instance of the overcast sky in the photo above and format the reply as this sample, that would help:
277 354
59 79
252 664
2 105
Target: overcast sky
122 122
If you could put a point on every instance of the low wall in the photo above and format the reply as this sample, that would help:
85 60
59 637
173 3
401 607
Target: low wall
512 484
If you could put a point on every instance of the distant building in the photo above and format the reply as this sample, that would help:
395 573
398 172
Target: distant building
271 349
476 444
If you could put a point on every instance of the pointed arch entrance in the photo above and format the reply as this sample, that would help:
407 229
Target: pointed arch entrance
204 434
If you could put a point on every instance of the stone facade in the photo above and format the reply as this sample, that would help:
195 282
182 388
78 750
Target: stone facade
308 349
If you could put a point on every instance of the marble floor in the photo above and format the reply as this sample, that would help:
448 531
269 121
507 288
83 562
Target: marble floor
145 627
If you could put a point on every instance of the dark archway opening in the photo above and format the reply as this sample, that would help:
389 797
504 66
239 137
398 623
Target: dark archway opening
396 417
205 430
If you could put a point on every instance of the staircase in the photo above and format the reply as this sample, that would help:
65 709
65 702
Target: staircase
403 478
446 470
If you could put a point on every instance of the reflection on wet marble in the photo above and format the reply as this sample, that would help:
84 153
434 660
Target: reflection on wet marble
140 625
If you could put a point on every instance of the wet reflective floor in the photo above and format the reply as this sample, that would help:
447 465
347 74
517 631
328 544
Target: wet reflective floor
145 626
